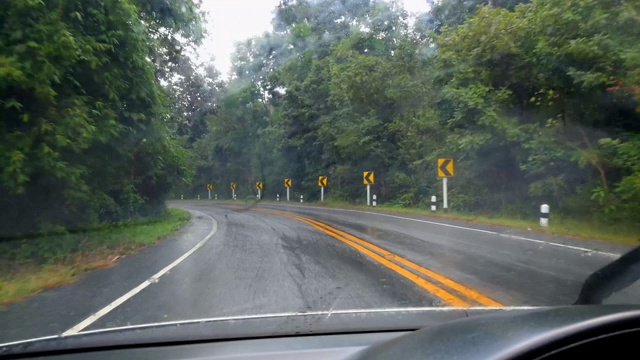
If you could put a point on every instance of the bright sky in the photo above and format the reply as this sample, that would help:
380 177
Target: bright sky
231 21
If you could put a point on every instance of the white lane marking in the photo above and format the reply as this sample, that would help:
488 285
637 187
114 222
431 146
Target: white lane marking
578 248
102 312
312 313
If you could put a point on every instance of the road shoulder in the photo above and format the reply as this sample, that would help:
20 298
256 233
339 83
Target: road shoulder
50 312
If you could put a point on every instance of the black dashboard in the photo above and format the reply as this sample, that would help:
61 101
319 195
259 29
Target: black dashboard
541 333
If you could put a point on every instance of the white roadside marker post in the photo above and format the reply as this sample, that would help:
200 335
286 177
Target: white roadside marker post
544 215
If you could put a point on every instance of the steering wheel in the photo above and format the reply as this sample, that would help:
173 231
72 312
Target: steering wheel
546 333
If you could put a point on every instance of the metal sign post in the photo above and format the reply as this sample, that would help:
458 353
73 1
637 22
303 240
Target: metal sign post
368 179
445 202
287 184
259 187
322 182
445 171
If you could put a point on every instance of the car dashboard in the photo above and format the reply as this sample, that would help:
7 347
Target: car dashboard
541 333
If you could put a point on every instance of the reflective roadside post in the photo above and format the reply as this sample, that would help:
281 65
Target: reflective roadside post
374 201
433 203
544 215
181 197
198 197
301 198
278 197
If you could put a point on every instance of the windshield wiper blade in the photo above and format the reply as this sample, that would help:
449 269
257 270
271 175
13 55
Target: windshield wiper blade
611 278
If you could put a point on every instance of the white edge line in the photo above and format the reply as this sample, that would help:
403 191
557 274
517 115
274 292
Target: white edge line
310 313
102 312
578 248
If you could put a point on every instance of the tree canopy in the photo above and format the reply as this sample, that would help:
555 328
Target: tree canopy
536 101
85 136
106 113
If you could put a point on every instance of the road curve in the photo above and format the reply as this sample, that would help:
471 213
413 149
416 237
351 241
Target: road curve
238 260
514 267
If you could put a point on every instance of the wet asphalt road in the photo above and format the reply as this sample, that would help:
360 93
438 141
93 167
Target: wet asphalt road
260 263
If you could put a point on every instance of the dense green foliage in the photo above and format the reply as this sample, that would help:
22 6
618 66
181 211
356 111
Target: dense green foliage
86 130
105 112
536 102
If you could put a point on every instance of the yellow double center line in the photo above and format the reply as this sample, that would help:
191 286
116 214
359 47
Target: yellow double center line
451 292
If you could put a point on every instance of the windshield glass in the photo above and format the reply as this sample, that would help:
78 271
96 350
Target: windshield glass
166 161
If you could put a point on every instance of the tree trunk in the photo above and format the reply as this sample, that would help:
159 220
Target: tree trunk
596 162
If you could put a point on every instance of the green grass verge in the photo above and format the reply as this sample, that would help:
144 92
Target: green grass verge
28 266
559 225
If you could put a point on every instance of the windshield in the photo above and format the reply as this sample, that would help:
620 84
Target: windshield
165 161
